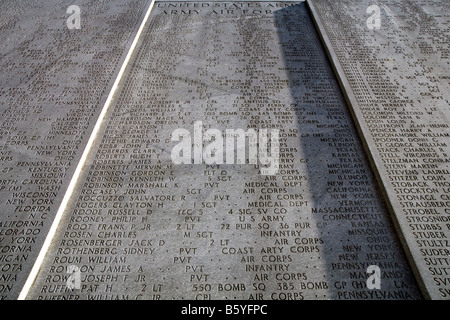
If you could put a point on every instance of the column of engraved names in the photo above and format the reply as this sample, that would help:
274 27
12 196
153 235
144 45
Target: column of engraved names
127 184
403 101
51 86
281 230
351 200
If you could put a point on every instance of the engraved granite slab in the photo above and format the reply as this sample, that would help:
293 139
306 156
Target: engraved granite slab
392 61
55 75
153 217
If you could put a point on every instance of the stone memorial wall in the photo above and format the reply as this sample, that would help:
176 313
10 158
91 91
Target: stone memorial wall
253 150
142 226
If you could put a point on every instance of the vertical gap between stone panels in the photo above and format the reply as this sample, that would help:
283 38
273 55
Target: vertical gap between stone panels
73 182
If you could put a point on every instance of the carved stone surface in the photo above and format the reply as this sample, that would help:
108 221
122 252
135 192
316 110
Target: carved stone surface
142 227
393 62
53 84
